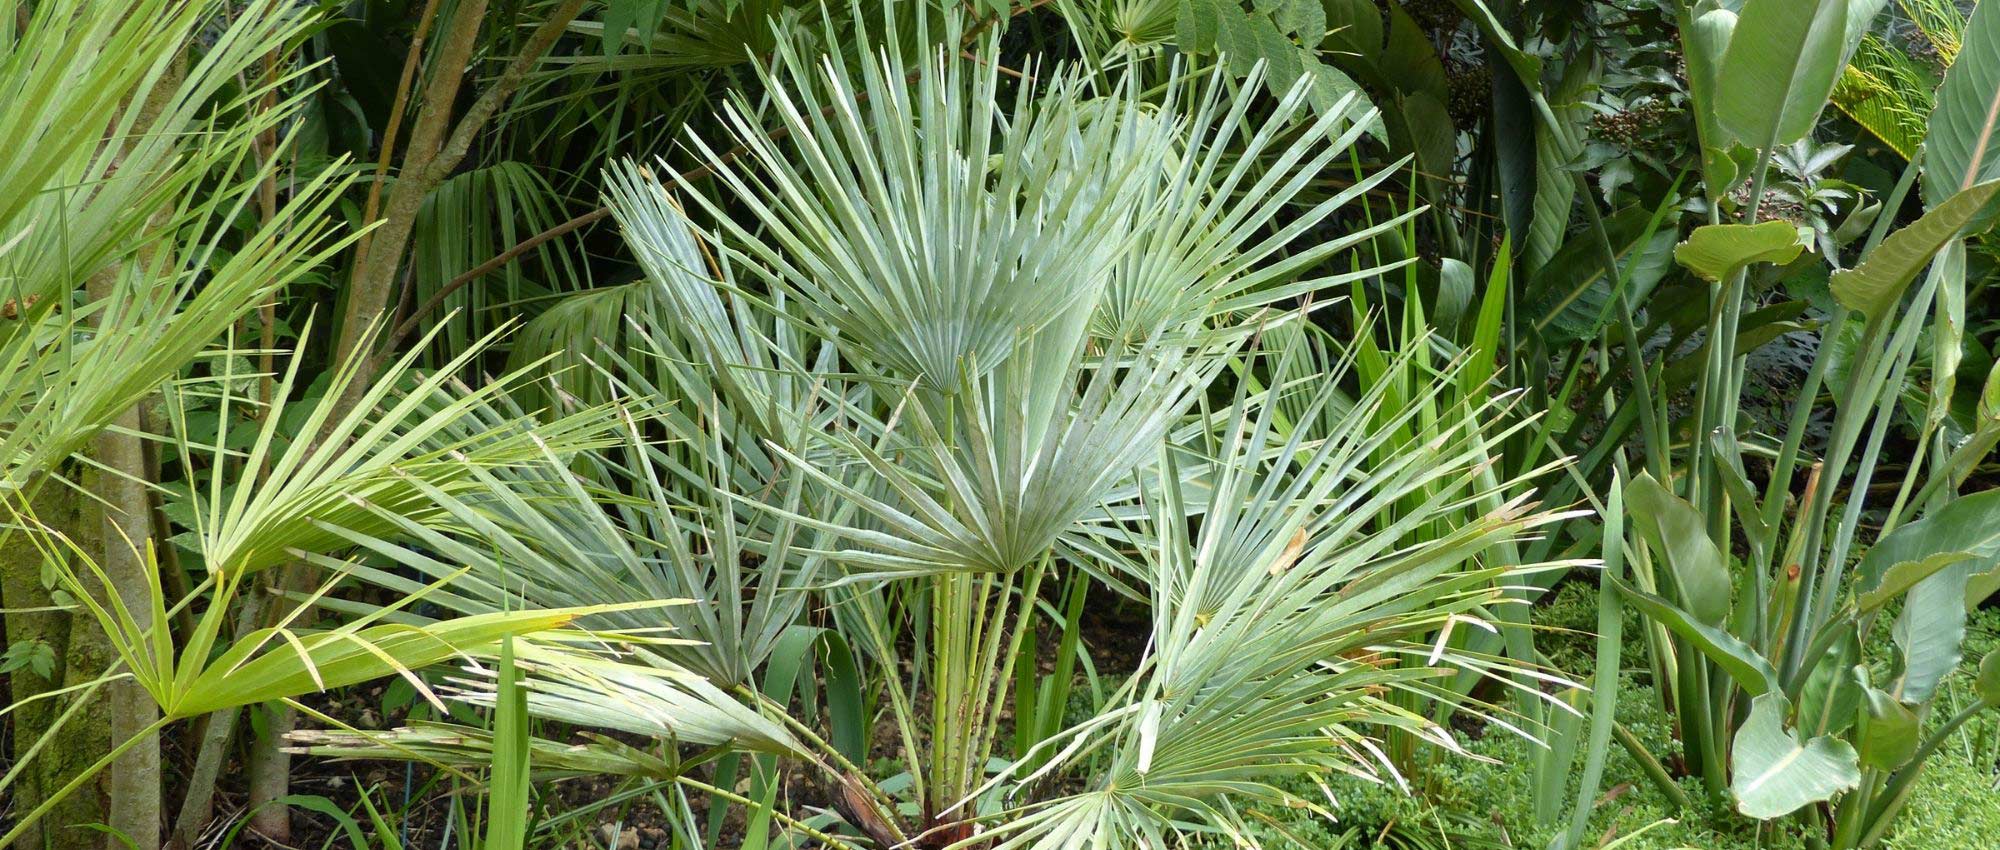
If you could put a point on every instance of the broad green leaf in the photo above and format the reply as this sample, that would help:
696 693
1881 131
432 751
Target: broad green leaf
1557 149
1196 25
1526 65
1965 459
1708 40
1355 27
1780 66
1988 683
1674 529
1716 251
1890 735
1900 577
1874 287
1454 295
1962 148
1932 625
1571 294
1773 773
1968 524
1751 671
1861 15
1833 691
1930 632
1947 331
1303 18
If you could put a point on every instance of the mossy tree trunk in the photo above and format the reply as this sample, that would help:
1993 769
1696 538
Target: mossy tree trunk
80 654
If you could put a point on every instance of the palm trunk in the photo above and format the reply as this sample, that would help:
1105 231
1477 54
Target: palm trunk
78 653
134 780
436 148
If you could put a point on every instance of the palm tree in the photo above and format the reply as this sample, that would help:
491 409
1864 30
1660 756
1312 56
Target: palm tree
942 341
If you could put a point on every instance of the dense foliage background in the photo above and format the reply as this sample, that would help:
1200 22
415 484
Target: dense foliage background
984 424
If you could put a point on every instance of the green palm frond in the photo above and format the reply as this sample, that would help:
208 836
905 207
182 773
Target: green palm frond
75 201
469 218
412 435
1887 92
548 537
1938 22
1287 619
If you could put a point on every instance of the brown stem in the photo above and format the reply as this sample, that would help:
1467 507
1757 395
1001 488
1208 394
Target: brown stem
375 270
410 323
411 61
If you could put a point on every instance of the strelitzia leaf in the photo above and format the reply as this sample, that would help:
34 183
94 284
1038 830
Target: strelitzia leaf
1899 578
1773 773
1780 66
1716 251
1889 736
1752 672
1967 525
1874 287
1930 632
1674 529
1962 146
1987 685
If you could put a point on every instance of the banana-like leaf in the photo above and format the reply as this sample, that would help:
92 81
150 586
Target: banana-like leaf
1874 287
1707 41
1716 251
1987 685
1889 735
1751 671
1930 632
1780 66
1962 149
1674 529
1773 773
1900 577
1932 626
1968 524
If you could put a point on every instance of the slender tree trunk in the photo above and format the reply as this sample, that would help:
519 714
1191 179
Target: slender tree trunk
79 654
437 147
127 534
134 779
376 262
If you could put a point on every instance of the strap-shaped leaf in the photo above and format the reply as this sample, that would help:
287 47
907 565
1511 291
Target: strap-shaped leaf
1988 683
1962 148
1774 773
1780 66
1875 286
1716 251
1931 632
1904 575
1968 524
1752 672
1889 736
1674 529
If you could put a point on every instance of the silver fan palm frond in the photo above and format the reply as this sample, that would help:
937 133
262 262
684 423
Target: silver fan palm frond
921 218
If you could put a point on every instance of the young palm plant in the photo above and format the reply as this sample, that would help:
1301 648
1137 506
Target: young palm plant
938 353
